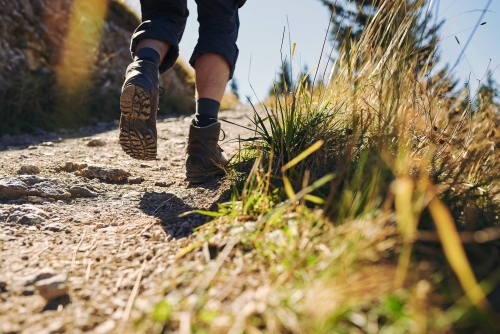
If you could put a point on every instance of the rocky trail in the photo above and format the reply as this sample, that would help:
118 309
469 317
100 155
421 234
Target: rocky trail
87 232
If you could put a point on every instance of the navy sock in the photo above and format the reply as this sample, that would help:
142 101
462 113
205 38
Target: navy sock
207 111
148 54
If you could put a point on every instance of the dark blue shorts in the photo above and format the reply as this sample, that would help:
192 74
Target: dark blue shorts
165 20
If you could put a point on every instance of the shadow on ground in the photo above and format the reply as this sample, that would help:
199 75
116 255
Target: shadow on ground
168 207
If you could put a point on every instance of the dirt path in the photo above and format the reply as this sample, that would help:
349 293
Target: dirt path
87 221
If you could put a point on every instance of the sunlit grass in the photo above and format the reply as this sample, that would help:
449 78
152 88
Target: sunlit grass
352 215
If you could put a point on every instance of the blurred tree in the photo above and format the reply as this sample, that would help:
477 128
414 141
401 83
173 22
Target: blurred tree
234 87
349 17
283 82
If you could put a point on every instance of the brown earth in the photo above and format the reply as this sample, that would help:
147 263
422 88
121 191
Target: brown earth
89 223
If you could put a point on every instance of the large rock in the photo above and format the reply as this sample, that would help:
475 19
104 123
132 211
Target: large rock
13 188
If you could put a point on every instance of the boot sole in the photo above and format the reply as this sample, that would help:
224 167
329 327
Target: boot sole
136 138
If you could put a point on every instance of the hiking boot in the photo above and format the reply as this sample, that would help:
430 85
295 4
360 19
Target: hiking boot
138 105
204 157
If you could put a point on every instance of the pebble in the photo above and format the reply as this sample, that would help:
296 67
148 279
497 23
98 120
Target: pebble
73 167
28 291
30 219
35 199
53 287
163 184
83 219
47 144
80 191
5 237
55 227
104 174
105 327
136 180
28 169
96 143
50 190
12 188
31 180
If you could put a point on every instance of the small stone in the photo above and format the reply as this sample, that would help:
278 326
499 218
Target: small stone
131 194
105 327
3 286
24 257
73 167
55 326
163 184
53 287
30 219
200 190
10 327
28 291
80 191
35 199
147 235
5 237
12 188
145 166
96 143
28 208
104 174
83 219
31 180
4 215
47 144
50 190
163 168
55 227
28 169
136 180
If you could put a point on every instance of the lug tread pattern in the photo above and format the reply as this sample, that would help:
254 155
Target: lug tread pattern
136 137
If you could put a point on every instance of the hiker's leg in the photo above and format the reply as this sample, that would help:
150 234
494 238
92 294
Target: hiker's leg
162 27
218 32
155 49
215 55
213 59
212 74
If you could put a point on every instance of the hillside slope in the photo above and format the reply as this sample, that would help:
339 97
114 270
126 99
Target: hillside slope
46 45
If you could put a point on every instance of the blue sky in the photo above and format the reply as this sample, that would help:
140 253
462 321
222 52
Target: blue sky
262 23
